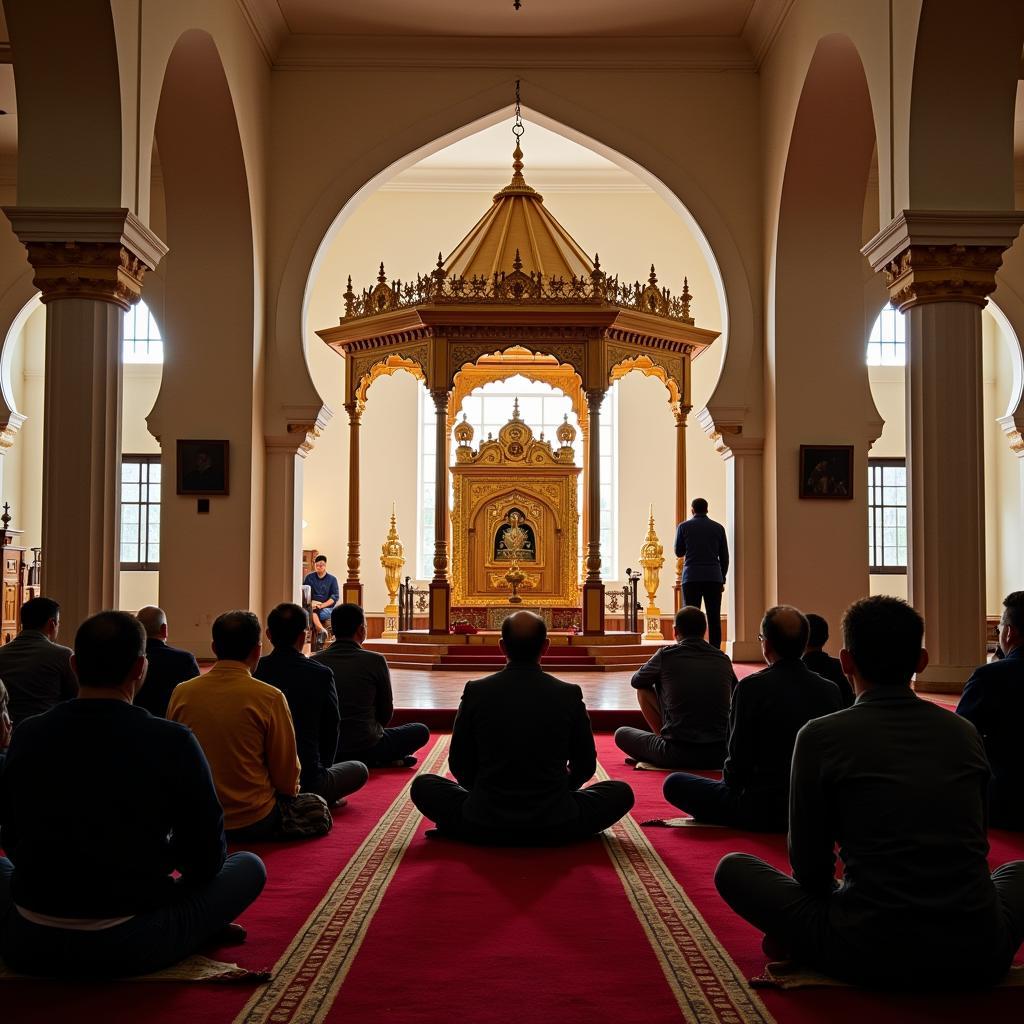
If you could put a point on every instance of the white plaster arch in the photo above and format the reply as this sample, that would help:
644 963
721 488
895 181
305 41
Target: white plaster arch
1015 407
11 416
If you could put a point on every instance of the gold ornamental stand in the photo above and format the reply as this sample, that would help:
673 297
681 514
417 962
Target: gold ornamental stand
652 558
392 558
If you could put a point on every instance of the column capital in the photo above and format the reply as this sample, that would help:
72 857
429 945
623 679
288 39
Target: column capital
942 255
681 412
595 396
87 253
355 413
725 429
1013 428
440 397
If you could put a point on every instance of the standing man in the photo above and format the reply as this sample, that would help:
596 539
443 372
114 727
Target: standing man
702 545
324 593
168 665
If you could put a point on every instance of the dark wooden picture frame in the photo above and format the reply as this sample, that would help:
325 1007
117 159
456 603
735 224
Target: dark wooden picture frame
202 467
826 472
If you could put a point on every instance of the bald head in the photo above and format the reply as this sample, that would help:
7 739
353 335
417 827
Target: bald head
154 621
524 638
785 631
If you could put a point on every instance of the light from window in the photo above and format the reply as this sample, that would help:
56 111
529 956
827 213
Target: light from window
542 408
142 341
887 344
887 515
140 512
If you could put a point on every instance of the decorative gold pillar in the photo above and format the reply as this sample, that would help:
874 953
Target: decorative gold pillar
939 267
593 587
440 586
89 265
682 506
352 589
392 558
652 558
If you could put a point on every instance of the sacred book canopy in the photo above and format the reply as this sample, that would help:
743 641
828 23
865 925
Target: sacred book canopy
517 289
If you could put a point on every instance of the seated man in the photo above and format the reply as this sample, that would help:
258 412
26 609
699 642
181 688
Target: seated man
993 700
768 709
898 784
324 594
88 889
824 664
37 670
245 729
365 701
684 693
313 701
521 750
168 665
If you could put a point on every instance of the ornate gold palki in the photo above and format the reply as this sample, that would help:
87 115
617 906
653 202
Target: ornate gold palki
517 282
514 518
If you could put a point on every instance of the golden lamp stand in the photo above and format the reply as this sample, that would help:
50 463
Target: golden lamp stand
392 558
652 558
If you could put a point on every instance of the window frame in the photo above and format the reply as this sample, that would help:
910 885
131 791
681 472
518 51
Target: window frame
875 544
141 459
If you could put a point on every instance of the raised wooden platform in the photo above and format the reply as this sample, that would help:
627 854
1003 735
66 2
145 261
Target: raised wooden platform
415 649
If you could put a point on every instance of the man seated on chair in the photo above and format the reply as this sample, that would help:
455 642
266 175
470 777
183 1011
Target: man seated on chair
993 700
168 665
897 783
313 701
245 729
521 750
365 699
684 693
818 660
324 594
100 803
768 709
34 667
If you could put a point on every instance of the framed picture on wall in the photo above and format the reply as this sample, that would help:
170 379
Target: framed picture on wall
826 471
202 467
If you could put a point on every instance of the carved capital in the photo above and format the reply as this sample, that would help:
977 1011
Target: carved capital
942 256
1013 428
681 412
87 254
440 397
595 397
9 430
355 413
725 429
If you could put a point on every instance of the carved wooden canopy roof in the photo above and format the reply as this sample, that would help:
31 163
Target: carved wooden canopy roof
518 278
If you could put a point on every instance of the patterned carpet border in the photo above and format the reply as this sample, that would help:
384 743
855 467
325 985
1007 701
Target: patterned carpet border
708 986
311 971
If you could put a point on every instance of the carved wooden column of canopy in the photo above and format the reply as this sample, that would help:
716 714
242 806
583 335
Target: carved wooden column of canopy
517 286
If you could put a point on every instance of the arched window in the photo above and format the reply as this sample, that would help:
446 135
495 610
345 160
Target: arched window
142 341
887 343
542 408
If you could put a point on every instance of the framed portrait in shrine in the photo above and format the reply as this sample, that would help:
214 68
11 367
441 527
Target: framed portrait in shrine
202 467
826 472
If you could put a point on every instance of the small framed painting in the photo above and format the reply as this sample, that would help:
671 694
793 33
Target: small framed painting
826 471
202 467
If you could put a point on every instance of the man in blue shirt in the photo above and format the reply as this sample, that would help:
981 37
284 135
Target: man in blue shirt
701 542
324 593
993 700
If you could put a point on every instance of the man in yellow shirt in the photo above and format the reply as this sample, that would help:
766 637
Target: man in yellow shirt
245 729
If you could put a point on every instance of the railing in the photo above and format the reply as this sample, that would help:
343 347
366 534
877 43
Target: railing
410 601
625 601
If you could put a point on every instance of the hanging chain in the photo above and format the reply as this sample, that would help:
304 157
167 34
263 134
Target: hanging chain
518 128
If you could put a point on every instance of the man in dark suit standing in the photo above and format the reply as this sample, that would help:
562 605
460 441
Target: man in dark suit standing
522 748
702 545
993 700
897 784
768 709
168 665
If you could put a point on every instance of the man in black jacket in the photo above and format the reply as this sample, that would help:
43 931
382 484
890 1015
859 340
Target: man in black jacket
313 702
993 700
88 889
522 748
168 665
897 783
768 709
702 544
817 659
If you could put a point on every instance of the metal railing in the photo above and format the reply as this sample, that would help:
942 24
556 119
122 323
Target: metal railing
410 601
625 601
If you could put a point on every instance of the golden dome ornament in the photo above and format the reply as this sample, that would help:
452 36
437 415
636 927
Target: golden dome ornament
463 432
566 432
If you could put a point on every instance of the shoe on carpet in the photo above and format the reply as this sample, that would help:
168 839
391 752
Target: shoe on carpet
230 935
630 760
404 762
340 802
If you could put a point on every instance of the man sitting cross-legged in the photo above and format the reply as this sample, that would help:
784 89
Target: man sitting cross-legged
684 693
168 665
898 784
100 802
365 699
309 689
245 729
521 750
817 659
768 709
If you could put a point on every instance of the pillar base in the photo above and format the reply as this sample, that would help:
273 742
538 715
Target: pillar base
440 606
744 650
352 592
390 622
593 608
652 624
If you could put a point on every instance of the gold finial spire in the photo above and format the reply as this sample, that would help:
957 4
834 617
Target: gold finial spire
515 408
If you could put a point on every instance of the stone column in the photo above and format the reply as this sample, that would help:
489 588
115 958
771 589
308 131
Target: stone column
352 589
440 586
682 506
593 587
89 266
939 268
